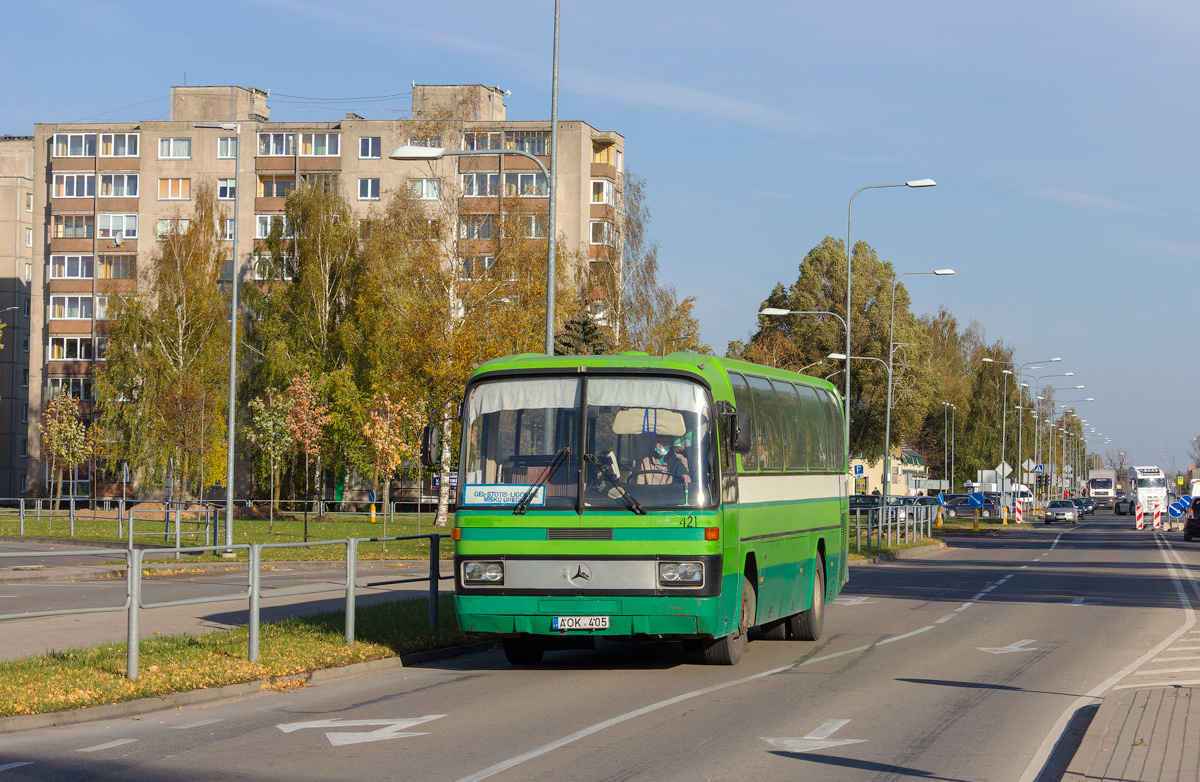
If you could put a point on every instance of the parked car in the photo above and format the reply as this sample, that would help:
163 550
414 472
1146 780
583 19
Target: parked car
1062 510
1191 521
1087 507
865 502
961 507
922 500
1123 505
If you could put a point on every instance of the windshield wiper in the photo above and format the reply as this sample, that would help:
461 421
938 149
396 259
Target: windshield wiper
527 497
607 472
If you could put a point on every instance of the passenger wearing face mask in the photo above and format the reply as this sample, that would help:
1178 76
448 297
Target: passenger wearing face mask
663 465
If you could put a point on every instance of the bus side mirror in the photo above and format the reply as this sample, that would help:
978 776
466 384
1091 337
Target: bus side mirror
431 452
742 433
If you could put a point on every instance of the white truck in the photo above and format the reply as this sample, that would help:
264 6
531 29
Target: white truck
1146 488
1102 487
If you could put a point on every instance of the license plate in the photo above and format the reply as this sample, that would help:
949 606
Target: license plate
579 623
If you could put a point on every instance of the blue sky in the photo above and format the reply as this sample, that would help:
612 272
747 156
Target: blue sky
1062 136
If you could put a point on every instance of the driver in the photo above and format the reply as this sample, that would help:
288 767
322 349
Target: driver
663 465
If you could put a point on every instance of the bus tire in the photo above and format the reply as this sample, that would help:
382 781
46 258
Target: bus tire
807 625
524 651
775 630
727 650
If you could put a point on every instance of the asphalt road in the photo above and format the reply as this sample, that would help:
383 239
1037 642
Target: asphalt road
968 664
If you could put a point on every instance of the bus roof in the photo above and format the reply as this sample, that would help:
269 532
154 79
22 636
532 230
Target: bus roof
713 369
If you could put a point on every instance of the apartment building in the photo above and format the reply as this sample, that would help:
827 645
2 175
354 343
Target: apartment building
17 238
104 194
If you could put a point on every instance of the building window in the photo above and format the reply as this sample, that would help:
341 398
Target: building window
101 348
25 306
24 454
426 141
29 237
227 147
265 223
602 232
24 378
174 189
476 226
602 192
118 145
320 144
71 267
119 185
117 267
529 185
70 308
482 139
477 267
426 189
172 226
29 272
620 161
368 190
73 227
535 142
275 185
325 182
74 145
226 189
29 202
102 307
370 148
25 344
118 227
480 185
268 268
25 413
276 144
174 149
602 153
78 387
74 185
534 225
70 349
230 229
24 483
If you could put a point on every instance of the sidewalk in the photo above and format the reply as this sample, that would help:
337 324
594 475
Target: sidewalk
1146 734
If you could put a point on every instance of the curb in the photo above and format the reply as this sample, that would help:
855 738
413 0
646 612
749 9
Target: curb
907 553
198 697
1089 748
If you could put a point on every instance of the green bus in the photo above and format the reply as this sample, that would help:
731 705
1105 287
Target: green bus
674 498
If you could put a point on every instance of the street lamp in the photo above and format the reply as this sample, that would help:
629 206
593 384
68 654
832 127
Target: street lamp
1004 412
1037 432
849 263
412 153
947 406
887 426
233 321
778 311
844 357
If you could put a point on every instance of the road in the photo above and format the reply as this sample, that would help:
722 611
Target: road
968 664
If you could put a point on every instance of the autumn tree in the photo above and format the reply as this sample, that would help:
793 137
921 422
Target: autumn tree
65 438
270 433
161 393
391 435
307 419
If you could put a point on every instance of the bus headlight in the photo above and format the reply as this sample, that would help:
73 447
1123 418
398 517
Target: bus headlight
680 573
483 572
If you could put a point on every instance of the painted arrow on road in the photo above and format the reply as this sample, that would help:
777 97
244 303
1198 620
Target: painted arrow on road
392 729
818 739
1018 646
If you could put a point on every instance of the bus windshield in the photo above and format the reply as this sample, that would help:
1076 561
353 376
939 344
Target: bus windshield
1152 483
648 444
1101 483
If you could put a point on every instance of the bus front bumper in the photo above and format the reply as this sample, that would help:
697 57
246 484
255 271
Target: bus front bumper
684 617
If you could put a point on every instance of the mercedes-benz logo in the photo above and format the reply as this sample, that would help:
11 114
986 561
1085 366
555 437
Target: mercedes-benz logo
579 574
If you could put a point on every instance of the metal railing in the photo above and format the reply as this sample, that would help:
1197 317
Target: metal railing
134 604
884 524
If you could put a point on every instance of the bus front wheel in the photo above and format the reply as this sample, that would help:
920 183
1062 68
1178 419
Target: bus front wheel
524 651
728 649
807 625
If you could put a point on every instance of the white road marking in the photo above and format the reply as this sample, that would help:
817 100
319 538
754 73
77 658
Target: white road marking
945 618
963 607
1183 648
109 745
191 725
391 728
504 765
7 766
1016 646
1023 567
1175 659
852 601
1171 683
818 739
1165 670
978 596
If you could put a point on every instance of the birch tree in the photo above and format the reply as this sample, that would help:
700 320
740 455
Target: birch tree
270 432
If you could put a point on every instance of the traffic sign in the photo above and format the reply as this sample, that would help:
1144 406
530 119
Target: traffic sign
1186 500
858 469
976 500
1028 464
1038 469
941 498
1004 468
1175 509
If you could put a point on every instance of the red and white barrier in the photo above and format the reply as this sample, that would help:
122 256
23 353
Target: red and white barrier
1140 524
1018 511
1157 516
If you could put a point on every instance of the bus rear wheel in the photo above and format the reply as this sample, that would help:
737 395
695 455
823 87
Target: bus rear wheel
728 649
524 651
807 625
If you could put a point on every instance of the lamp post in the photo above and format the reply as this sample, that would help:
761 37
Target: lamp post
844 357
778 311
849 264
412 153
1037 432
946 408
1004 414
887 426
233 327
1064 425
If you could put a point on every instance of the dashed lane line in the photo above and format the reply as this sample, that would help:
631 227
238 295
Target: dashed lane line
109 745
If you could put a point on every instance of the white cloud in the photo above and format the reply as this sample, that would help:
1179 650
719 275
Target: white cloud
1087 201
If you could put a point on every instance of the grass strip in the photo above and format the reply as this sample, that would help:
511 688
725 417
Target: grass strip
78 678
871 551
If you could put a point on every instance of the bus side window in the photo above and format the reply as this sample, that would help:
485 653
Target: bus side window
743 403
833 428
768 445
814 429
792 417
